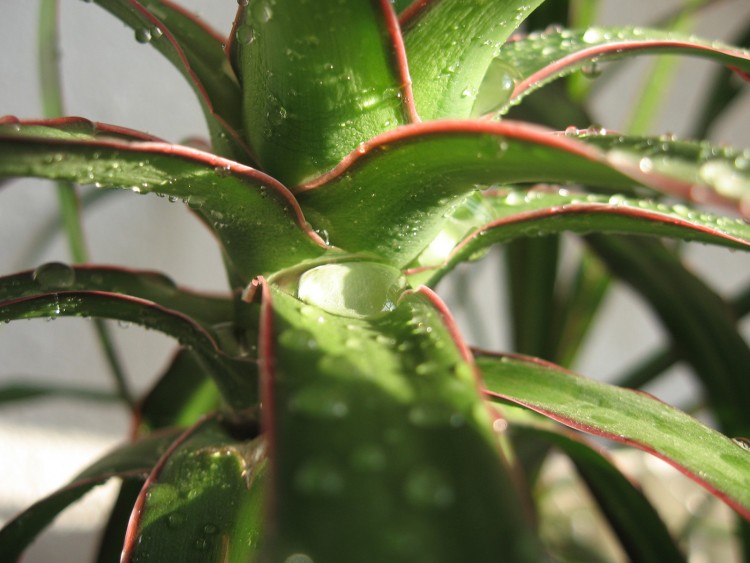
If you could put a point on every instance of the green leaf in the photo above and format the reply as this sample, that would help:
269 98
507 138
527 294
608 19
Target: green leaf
539 58
113 537
700 323
381 412
625 416
544 211
153 286
641 531
183 394
256 218
202 502
691 170
235 377
197 52
11 392
391 197
131 461
318 79
450 45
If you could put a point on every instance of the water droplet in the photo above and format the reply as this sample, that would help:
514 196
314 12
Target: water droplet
298 558
591 70
744 443
54 276
593 35
427 487
571 131
243 2
210 529
245 34
143 35
176 520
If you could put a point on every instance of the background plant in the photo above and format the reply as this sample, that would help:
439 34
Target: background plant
535 332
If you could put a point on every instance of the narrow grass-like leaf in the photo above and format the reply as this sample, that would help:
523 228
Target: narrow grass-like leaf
381 412
256 218
318 79
197 52
131 461
549 211
113 536
236 378
642 533
447 63
625 416
201 502
539 58
207 309
23 390
699 321
183 394
392 196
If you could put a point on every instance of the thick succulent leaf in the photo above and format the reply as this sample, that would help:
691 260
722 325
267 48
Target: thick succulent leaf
545 211
700 323
707 173
153 286
183 394
256 218
318 79
131 461
381 412
392 196
450 45
641 531
629 417
531 62
235 377
197 52
202 501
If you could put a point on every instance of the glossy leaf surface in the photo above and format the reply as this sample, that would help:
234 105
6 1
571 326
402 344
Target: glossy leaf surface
381 413
318 79
202 501
544 211
132 461
196 52
143 284
393 195
539 58
447 63
625 416
699 321
235 377
252 214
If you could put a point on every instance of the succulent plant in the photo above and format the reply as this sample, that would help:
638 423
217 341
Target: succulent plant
327 408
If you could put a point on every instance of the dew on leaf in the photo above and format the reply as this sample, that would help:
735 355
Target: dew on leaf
143 35
54 276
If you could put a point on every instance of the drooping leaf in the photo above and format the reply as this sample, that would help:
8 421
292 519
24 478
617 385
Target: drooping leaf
535 60
625 416
197 52
113 536
202 502
235 377
144 284
381 412
392 196
318 79
638 526
446 62
255 217
699 321
131 461
183 394
548 211
707 173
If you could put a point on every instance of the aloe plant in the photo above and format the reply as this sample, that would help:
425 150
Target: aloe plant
327 407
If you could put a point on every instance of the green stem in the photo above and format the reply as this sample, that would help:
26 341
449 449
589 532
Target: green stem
52 102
